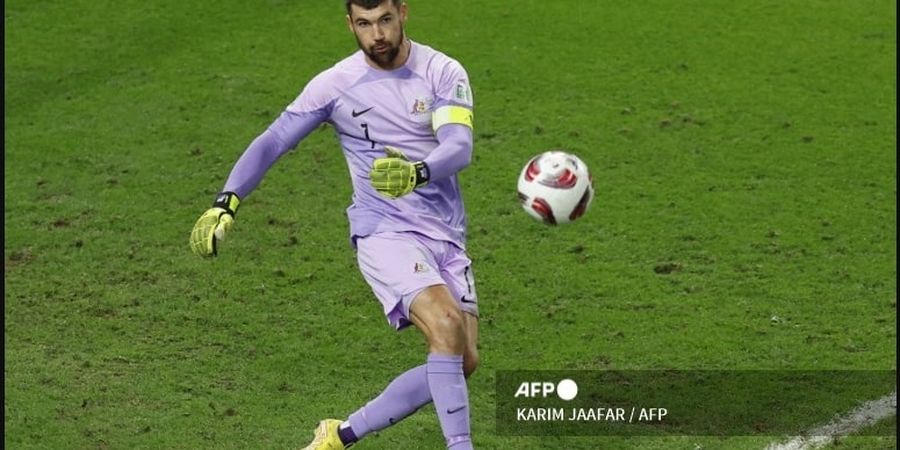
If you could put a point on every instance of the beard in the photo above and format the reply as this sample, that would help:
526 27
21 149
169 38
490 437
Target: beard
385 59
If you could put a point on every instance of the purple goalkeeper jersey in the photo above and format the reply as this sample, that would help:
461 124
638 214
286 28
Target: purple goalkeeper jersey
369 109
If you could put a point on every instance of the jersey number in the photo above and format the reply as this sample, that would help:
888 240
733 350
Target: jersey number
365 128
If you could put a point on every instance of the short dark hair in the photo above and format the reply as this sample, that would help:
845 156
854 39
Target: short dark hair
368 4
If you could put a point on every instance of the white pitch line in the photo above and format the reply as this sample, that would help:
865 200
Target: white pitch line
866 414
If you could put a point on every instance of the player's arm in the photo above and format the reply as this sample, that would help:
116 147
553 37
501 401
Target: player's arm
395 176
452 121
454 150
284 134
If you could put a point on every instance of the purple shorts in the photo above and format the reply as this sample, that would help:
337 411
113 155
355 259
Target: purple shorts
399 265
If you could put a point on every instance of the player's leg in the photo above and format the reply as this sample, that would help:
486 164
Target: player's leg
470 357
436 313
385 260
407 393
456 270
397 268
402 397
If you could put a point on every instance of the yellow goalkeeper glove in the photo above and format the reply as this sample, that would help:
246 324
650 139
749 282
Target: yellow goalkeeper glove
214 223
395 175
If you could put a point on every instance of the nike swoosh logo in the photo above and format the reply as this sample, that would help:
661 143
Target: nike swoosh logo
357 114
452 411
465 300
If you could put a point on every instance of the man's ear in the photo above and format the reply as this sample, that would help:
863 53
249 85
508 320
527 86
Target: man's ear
404 12
349 23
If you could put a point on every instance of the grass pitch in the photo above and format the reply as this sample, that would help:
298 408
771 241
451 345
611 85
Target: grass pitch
743 156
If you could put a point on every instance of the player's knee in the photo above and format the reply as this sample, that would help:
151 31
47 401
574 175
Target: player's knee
447 331
450 322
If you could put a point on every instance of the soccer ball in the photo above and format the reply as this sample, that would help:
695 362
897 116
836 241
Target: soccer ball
555 187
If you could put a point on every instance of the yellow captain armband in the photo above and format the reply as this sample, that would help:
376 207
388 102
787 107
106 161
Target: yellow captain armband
451 114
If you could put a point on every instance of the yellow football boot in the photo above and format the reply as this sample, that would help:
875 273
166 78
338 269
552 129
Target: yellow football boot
326 436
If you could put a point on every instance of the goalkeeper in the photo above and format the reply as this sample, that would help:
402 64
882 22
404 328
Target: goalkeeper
402 112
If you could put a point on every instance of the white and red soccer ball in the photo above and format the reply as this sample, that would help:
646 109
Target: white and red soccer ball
555 187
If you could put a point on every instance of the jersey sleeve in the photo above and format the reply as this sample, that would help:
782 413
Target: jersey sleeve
317 97
304 114
452 87
453 153
312 107
453 97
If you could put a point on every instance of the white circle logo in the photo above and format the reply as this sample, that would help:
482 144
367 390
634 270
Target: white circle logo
567 389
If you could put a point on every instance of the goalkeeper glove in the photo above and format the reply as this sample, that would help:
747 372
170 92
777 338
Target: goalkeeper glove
395 176
214 223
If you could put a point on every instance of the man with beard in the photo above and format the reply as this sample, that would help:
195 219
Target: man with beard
403 114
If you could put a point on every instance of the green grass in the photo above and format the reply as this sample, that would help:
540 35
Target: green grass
743 155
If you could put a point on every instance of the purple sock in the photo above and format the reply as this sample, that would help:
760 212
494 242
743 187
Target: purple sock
402 397
451 398
346 434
